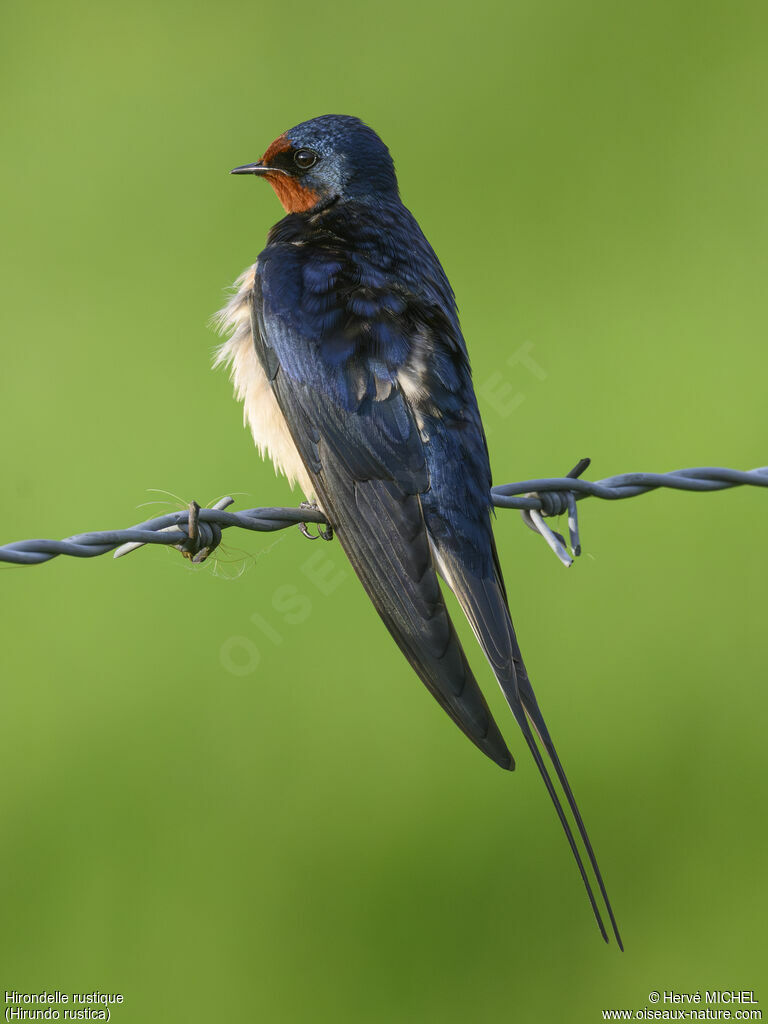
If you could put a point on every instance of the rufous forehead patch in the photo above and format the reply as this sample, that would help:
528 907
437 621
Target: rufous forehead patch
280 145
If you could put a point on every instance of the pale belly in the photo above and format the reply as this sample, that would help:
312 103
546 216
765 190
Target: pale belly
260 409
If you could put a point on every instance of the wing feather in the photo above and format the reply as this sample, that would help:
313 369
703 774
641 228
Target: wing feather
368 470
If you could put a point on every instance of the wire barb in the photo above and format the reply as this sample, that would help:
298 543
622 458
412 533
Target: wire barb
554 503
197 532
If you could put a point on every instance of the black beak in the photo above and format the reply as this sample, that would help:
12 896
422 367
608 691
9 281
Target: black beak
250 169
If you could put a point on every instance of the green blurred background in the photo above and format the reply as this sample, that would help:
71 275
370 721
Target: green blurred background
224 793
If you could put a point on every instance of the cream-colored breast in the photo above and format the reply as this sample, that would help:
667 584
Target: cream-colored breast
260 409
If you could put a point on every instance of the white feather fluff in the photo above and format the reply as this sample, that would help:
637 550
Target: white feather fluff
260 409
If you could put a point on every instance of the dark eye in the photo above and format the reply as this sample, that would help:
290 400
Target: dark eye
304 158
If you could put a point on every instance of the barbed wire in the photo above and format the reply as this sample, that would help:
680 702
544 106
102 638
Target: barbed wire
196 531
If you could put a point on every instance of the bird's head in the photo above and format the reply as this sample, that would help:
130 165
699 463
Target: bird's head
327 158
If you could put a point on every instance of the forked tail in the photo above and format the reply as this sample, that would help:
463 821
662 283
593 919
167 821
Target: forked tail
484 602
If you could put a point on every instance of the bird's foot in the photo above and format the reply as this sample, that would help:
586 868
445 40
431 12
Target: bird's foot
325 533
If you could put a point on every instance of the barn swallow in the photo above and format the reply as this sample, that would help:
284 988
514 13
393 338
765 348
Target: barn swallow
345 347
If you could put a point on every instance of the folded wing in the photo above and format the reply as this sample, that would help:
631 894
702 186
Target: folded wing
368 469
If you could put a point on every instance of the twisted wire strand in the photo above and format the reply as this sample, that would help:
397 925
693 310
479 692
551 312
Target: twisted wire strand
196 532
626 485
554 496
